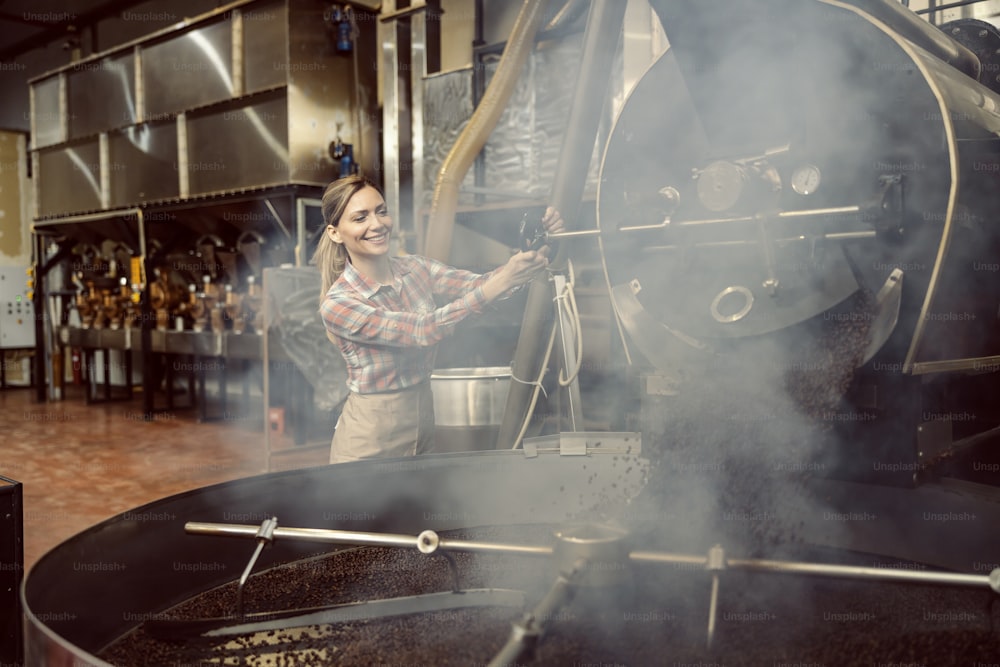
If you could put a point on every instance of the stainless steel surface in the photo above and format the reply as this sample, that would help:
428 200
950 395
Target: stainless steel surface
496 98
242 147
733 314
598 552
470 396
888 301
716 562
304 534
265 44
584 443
526 632
247 109
144 166
493 547
69 178
46 117
523 151
856 572
327 536
101 94
321 97
191 70
447 108
393 107
265 536
821 569
831 211
580 233
641 556
419 45
657 341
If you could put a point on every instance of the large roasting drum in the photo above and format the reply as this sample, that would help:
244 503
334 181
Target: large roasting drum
98 585
782 155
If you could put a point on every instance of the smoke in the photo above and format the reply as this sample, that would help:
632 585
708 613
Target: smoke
773 398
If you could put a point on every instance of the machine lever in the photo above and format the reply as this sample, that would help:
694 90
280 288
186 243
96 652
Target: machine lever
715 563
265 535
531 234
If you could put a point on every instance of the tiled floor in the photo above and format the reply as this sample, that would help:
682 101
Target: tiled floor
81 464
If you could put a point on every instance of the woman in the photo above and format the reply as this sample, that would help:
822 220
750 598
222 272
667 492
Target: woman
381 312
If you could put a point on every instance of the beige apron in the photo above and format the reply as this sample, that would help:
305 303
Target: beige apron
384 425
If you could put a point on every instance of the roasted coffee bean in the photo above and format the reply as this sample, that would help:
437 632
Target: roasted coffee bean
660 618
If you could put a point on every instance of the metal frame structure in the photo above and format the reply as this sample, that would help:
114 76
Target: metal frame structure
211 114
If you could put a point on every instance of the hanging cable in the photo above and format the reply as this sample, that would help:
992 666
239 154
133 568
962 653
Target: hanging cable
537 388
568 298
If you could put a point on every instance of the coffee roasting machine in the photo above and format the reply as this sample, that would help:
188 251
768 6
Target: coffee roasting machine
795 224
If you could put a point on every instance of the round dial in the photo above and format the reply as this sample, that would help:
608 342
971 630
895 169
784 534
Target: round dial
805 179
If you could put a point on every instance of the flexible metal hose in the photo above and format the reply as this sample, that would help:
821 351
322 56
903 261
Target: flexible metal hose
472 139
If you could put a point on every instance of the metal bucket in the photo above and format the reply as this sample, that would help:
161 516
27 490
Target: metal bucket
468 406
470 396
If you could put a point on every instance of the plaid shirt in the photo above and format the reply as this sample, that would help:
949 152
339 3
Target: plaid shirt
389 334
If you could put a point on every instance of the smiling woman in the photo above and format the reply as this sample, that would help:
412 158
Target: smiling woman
382 312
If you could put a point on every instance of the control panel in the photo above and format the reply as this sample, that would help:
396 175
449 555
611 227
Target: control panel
17 312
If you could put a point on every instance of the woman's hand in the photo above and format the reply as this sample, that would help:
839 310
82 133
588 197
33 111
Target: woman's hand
553 222
525 265
519 269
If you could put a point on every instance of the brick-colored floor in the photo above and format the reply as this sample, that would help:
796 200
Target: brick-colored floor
80 464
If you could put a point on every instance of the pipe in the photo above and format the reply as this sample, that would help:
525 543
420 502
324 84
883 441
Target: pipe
327 536
951 5
604 24
568 13
444 203
991 581
525 633
923 34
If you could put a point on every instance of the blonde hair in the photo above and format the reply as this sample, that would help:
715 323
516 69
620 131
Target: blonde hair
331 257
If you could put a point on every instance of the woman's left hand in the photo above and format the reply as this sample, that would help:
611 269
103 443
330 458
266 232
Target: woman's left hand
553 222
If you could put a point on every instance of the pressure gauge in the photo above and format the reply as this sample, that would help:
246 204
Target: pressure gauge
805 179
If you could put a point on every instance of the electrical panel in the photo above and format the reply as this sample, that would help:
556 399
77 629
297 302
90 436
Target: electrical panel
17 312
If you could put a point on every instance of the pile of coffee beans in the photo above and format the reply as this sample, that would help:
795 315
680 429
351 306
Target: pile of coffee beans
822 358
750 424
659 617
345 576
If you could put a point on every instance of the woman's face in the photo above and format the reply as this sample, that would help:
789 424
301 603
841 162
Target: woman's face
365 226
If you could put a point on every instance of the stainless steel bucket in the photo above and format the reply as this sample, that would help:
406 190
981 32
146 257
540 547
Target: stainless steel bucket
470 396
468 407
